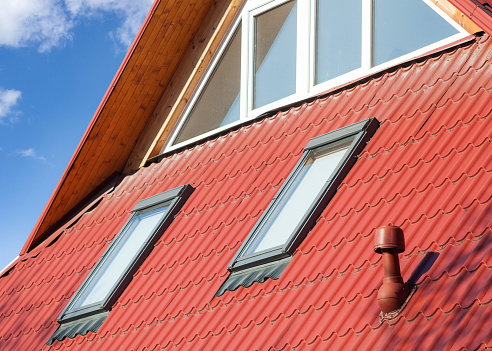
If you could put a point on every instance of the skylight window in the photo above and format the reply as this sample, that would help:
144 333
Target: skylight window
284 51
90 304
299 202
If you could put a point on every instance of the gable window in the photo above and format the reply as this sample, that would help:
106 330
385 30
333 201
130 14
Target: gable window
298 204
219 99
274 58
90 304
282 51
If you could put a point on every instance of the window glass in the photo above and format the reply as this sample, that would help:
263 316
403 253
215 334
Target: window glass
296 200
338 38
123 253
275 54
218 104
403 26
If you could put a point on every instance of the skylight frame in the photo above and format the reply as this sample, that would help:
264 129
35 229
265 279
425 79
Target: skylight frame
361 132
174 199
306 85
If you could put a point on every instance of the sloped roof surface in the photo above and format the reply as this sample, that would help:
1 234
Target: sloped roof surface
428 169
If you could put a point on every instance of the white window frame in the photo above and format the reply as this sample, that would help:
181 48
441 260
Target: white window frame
305 61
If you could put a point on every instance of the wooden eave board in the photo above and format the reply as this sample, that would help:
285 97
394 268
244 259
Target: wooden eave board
119 121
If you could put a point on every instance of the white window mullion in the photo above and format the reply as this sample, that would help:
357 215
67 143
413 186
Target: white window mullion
367 18
245 105
303 64
312 43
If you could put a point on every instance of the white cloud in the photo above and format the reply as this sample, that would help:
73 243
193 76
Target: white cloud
49 23
40 22
8 99
29 153
131 11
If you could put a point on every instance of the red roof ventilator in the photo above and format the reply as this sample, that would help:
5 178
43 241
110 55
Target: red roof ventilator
389 241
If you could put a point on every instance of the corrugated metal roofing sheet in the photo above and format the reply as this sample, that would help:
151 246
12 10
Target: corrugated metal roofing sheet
428 169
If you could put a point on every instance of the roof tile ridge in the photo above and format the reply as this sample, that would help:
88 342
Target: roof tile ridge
422 216
224 176
134 187
360 181
187 236
410 166
29 331
199 255
262 293
481 265
238 151
427 135
475 68
411 139
98 221
414 91
195 211
76 250
40 304
468 236
418 191
334 245
454 307
202 163
339 115
173 289
470 144
405 67
463 95
406 117
220 202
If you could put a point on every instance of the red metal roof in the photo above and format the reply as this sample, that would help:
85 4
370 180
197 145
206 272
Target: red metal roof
428 169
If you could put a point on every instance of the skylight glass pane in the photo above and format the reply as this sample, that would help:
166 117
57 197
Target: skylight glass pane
275 54
125 251
403 26
295 201
218 104
338 38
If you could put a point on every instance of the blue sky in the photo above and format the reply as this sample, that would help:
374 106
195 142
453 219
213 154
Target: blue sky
57 59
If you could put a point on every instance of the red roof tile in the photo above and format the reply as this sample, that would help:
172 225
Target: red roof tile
428 169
